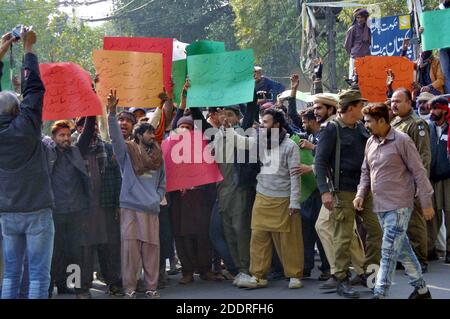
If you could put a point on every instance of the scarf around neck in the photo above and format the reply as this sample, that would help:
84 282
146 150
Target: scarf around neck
144 158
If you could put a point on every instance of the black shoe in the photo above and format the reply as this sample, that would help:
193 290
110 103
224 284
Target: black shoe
345 289
447 257
424 267
306 273
359 280
432 255
331 283
415 295
324 276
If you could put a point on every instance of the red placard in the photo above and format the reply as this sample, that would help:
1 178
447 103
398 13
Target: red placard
68 92
155 45
189 162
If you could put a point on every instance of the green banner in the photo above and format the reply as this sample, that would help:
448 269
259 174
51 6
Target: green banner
179 70
221 79
436 26
6 77
308 181
205 47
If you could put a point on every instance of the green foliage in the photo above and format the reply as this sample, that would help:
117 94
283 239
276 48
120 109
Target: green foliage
60 38
272 29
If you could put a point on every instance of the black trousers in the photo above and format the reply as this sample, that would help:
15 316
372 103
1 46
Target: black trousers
166 240
65 249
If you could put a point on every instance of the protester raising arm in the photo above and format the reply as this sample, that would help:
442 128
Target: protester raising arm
86 135
292 107
251 113
180 111
119 146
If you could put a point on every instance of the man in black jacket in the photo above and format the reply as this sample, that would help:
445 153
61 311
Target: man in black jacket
26 198
71 187
439 174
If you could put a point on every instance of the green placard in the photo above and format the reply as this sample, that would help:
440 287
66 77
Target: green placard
179 70
6 77
436 26
205 47
308 181
221 79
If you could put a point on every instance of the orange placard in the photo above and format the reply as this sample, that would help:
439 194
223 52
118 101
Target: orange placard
68 92
137 77
371 72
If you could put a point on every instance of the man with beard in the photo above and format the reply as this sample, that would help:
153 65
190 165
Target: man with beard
143 188
276 217
339 156
393 171
440 174
407 121
324 107
71 188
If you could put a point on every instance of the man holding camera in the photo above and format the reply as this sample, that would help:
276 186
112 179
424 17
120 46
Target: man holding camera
26 199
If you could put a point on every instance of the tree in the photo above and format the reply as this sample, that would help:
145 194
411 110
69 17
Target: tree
272 29
60 38
185 20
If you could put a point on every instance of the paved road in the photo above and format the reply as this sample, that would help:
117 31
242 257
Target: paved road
438 279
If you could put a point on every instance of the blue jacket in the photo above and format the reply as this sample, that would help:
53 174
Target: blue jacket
24 179
440 162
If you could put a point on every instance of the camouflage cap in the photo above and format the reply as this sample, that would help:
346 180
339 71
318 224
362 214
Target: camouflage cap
349 96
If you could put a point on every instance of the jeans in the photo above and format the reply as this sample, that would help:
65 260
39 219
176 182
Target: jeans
396 246
218 241
444 56
31 234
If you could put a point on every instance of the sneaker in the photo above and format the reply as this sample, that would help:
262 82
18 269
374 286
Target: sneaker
236 279
152 294
130 295
378 296
242 277
416 295
331 283
252 282
295 283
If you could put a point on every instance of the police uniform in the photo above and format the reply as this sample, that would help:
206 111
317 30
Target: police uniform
419 132
353 141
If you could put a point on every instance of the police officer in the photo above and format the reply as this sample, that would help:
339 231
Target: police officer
410 123
339 156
